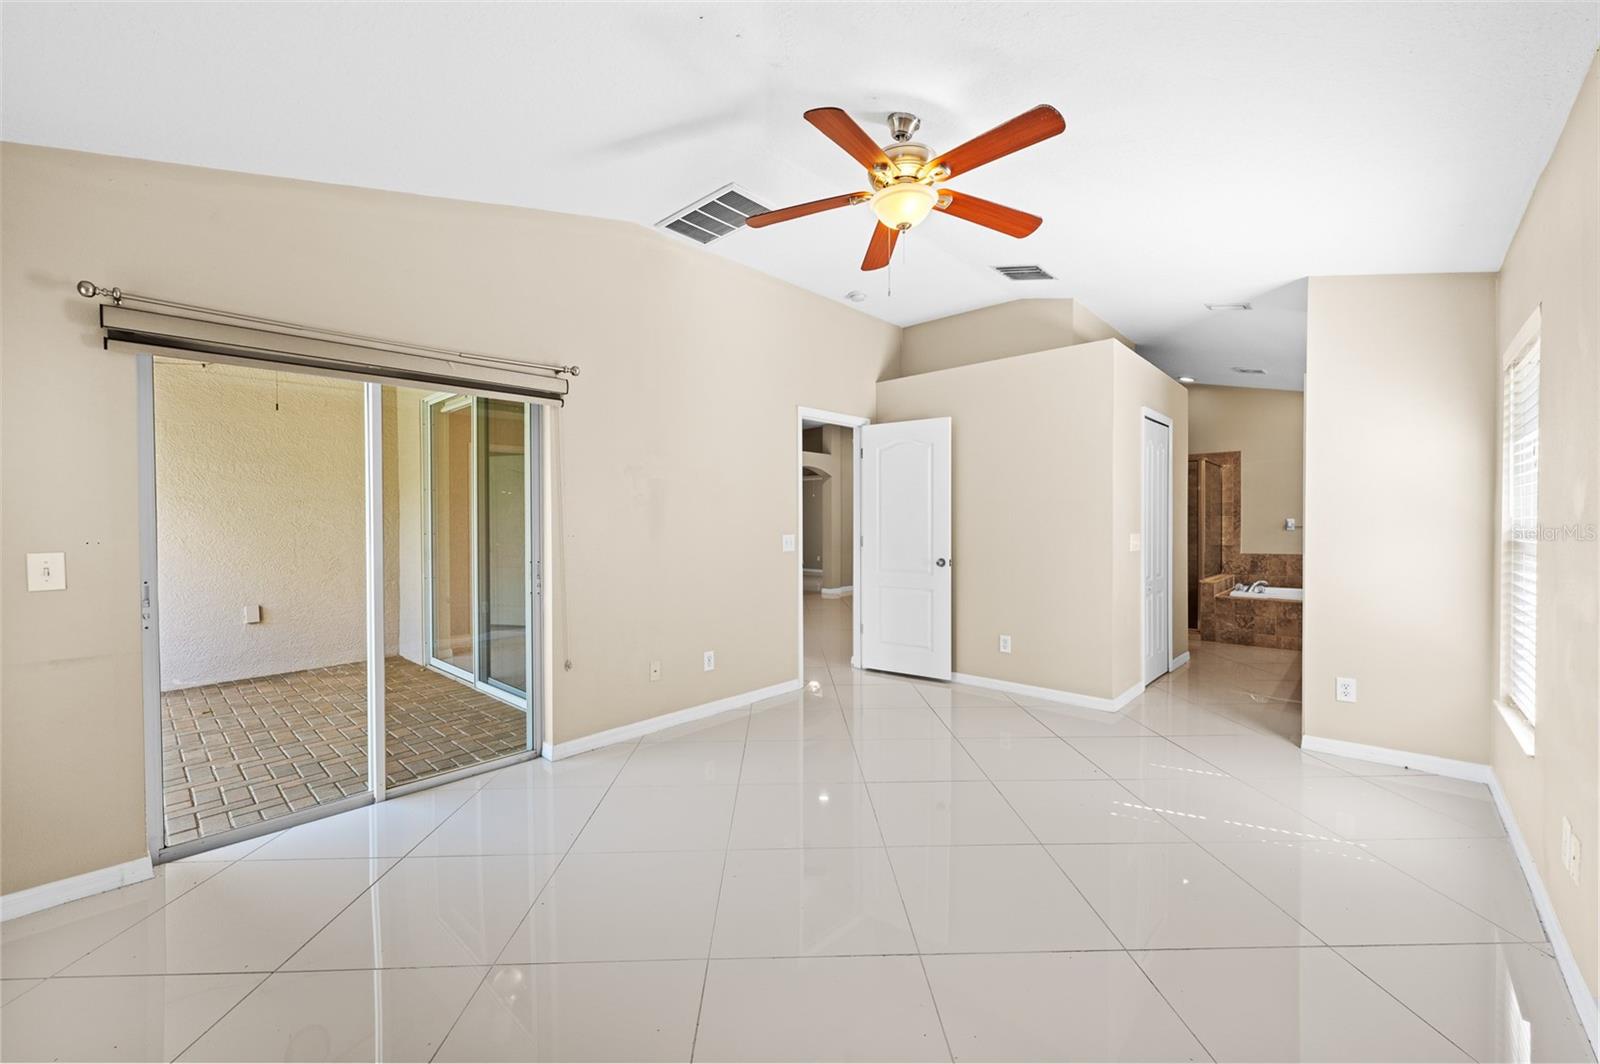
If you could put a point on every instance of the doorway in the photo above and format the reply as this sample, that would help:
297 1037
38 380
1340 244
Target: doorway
293 666
829 542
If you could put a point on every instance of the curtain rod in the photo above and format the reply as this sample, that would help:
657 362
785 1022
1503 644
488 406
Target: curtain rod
90 290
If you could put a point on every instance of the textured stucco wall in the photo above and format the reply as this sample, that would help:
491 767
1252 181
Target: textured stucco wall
259 490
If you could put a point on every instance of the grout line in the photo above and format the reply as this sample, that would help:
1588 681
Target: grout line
716 906
534 901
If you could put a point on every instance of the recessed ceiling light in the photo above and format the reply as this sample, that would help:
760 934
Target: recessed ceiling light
856 296
1229 306
1185 380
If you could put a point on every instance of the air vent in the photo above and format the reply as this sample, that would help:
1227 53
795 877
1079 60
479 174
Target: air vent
1249 370
712 217
1025 273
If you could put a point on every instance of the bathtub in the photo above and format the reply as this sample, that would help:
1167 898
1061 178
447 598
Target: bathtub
1280 594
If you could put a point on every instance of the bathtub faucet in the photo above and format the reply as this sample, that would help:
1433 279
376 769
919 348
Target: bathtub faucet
1256 588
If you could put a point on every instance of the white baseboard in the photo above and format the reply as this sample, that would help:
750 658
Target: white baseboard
1439 766
1178 662
837 592
45 895
1050 694
1586 1004
640 728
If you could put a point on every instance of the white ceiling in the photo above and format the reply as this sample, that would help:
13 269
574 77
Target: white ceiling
1213 153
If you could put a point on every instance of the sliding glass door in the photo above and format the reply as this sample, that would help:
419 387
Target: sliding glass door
341 593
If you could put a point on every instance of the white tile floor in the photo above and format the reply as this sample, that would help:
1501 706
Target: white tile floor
871 869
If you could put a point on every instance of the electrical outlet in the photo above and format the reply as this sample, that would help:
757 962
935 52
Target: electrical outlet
711 660
1344 689
655 671
1133 541
788 543
1005 644
1571 851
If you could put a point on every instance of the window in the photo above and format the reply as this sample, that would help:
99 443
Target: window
1519 548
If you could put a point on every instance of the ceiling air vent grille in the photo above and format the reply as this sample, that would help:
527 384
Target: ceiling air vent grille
712 217
1025 273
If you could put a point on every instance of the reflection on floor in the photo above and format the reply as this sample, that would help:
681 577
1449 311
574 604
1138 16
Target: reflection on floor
238 753
870 869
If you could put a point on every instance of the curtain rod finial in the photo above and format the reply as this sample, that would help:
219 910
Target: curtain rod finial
87 289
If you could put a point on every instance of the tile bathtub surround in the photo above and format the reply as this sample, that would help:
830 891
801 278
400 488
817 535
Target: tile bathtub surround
926 873
238 753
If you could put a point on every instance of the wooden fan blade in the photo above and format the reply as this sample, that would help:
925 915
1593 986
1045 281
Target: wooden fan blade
1002 219
843 131
881 247
800 210
1030 127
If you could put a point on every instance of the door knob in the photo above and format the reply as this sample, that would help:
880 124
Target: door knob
941 563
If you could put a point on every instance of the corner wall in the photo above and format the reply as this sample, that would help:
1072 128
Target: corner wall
1045 478
1553 265
1400 442
670 536
1005 329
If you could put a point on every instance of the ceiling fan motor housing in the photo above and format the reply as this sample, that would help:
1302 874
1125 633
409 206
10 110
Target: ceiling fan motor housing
902 126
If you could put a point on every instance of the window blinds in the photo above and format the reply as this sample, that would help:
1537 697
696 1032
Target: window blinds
1519 584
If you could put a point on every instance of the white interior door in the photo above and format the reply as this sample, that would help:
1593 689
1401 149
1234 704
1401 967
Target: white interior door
905 553
1156 548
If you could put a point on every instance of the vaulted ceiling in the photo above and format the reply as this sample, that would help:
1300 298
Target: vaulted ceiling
1214 153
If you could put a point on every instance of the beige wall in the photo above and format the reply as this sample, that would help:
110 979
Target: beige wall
671 536
812 534
1400 469
1267 427
839 556
1041 457
1000 331
1554 265
260 502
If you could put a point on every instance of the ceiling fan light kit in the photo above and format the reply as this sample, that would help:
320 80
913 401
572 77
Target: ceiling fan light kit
904 176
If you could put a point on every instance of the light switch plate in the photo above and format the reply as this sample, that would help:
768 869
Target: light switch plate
788 543
1133 541
47 571
710 660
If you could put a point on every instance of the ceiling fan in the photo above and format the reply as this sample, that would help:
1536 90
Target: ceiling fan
904 176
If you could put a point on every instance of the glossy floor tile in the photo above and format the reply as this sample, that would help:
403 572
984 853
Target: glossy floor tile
1175 896
1290 1004
953 813
809 903
430 912
994 899
1055 1006
869 868
1495 1002
819 1008
401 1014
249 917
141 1017
632 1011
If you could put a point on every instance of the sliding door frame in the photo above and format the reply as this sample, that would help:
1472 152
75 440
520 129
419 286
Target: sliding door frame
375 643
533 503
